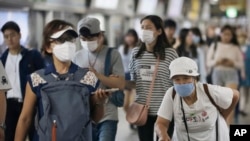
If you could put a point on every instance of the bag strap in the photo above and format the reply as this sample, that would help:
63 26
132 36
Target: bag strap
153 82
210 97
108 62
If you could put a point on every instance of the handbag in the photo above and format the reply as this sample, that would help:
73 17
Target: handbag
137 113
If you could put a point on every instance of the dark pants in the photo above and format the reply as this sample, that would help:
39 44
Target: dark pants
146 132
14 109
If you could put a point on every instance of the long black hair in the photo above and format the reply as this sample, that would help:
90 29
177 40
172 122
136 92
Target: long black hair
181 48
130 32
161 43
234 37
196 31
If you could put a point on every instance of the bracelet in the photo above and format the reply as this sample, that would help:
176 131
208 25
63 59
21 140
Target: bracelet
3 126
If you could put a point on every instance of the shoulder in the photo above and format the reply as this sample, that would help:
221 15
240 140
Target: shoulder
135 50
36 78
89 79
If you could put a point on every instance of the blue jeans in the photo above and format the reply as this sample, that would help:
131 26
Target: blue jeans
105 131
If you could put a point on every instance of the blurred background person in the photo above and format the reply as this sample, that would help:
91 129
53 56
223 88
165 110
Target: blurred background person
202 52
227 61
244 83
187 48
210 34
170 28
130 42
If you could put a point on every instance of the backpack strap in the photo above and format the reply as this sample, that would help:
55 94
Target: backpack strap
210 97
108 62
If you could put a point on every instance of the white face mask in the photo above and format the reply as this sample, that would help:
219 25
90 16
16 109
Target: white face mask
64 52
89 45
147 36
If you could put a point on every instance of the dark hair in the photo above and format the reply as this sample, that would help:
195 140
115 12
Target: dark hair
234 37
51 28
130 32
10 25
181 49
161 43
197 32
169 23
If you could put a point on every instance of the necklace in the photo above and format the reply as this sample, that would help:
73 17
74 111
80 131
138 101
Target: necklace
93 64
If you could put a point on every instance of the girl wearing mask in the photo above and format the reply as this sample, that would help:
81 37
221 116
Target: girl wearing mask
59 43
227 61
202 106
154 45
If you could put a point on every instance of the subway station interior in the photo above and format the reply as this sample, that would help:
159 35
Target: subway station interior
116 17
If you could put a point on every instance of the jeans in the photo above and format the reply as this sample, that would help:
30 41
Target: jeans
105 131
146 132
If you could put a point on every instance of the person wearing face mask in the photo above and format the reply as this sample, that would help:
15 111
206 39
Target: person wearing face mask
197 103
201 51
93 56
59 43
153 48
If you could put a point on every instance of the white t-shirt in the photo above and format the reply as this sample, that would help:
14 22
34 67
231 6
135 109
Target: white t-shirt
125 57
201 116
12 69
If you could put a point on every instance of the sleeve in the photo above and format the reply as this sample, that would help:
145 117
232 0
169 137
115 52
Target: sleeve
166 108
5 83
222 96
117 65
39 61
91 81
210 56
35 81
132 69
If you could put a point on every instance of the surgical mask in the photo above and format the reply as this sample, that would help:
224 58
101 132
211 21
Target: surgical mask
147 36
64 52
196 39
89 45
184 90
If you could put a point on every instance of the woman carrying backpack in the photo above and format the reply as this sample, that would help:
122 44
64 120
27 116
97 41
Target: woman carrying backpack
203 107
61 92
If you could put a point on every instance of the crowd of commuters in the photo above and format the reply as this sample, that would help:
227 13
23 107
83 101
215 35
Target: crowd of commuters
182 106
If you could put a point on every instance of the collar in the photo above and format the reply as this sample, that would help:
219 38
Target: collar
51 68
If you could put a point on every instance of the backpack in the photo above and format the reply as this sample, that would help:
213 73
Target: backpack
117 98
66 105
208 94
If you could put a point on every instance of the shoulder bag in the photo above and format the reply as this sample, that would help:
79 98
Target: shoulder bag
137 113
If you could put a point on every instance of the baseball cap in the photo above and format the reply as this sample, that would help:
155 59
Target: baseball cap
60 33
183 66
88 26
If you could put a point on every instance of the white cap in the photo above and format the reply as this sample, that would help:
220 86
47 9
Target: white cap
183 66
60 33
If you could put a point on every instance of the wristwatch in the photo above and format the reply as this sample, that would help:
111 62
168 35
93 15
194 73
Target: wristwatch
2 126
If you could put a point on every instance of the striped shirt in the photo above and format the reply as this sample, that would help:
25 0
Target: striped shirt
142 69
